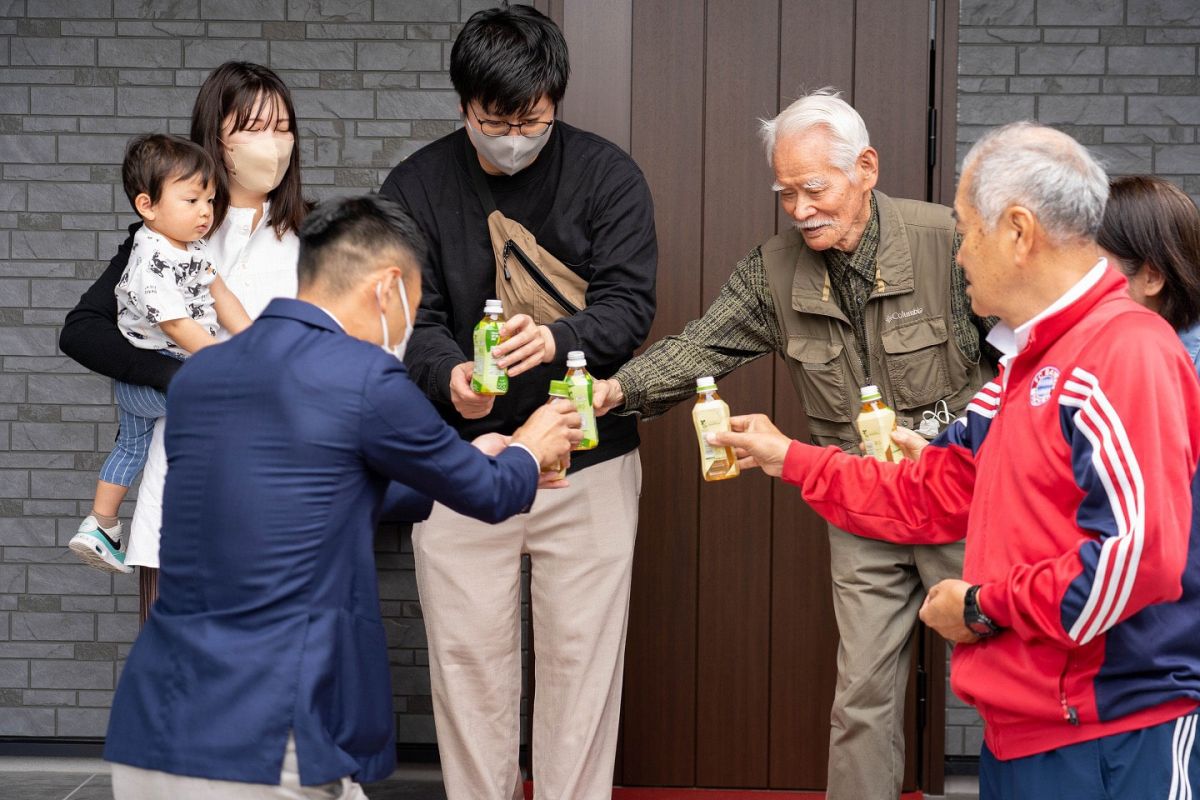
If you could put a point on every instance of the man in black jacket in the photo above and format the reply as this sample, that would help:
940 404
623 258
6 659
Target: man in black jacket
588 205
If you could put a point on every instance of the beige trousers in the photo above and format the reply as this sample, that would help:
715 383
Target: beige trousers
134 783
580 541
878 589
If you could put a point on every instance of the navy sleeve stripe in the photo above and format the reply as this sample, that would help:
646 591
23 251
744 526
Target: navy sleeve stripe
971 428
1111 461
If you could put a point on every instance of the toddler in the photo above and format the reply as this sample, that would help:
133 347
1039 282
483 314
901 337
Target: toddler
169 299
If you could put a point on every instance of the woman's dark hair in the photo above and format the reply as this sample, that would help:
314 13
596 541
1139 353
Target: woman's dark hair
1149 220
152 160
242 89
506 58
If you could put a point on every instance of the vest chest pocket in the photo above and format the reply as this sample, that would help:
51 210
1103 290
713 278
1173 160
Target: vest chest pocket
822 377
916 362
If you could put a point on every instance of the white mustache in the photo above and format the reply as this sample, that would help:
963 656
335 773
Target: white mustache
809 224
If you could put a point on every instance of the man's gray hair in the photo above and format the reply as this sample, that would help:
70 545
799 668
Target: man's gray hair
824 107
1042 169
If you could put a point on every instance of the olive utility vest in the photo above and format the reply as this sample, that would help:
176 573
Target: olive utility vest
914 357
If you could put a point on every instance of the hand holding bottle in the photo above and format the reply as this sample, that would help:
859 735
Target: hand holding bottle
607 395
466 401
525 345
910 443
550 432
756 442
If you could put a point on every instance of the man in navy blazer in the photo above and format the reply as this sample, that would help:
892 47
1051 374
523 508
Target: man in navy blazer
264 660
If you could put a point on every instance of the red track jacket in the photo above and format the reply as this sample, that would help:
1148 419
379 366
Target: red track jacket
1072 477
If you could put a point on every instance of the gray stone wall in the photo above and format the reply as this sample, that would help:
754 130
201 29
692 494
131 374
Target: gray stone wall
1121 76
77 78
1118 75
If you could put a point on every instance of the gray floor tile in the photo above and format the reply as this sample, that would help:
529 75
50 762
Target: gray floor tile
98 787
401 789
38 785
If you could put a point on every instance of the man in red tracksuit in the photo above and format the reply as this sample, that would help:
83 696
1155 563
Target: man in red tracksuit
1072 477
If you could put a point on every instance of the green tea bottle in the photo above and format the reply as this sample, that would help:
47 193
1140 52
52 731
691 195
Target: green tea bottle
487 378
875 424
711 415
580 383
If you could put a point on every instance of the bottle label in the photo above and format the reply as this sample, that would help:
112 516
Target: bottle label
581 395
715 462
487 378
711 421
876 431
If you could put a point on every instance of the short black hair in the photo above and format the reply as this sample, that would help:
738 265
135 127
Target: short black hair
348 236
154 159
506 58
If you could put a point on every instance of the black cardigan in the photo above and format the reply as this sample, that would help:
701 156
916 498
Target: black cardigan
90 334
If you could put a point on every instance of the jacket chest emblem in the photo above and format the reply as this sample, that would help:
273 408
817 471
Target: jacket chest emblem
1042 385
896 316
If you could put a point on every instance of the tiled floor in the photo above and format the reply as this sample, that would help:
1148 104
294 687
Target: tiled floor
88 779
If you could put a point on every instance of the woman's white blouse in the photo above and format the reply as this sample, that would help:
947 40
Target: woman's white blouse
257 267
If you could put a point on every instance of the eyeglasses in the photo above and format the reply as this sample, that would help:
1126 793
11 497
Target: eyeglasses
498 127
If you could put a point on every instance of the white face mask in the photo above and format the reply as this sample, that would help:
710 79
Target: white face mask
398 350
509 154
258 165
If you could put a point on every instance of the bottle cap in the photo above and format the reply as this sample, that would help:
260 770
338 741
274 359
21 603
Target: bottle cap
706 382
493 307
560 389
871 392
575 359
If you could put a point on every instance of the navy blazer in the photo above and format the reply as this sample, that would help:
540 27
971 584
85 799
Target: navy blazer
280 446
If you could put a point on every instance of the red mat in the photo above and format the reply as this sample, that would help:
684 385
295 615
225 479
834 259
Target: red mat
712 794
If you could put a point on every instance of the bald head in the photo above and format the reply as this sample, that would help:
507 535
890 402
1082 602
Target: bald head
1041 169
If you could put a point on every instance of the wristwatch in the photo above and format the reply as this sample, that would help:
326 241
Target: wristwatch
976 621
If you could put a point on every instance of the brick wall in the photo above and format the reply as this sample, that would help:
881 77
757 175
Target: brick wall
77 78
1119 75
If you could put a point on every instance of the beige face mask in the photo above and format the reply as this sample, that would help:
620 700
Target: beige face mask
259 165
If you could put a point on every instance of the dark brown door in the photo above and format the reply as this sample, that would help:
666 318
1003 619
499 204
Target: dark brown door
730 663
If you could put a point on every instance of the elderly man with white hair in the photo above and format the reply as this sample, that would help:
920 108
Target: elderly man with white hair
1072 478
862 290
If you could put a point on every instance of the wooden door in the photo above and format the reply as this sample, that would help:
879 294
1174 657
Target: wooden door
730 662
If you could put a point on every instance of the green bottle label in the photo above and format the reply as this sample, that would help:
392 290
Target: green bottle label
487 378
581 395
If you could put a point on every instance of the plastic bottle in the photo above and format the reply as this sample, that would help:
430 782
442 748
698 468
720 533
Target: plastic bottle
487 378
875 424
711 415
559 390
580 382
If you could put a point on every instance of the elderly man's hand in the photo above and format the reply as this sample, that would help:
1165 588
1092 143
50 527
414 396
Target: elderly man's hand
756 442
607 395
910 443
943 611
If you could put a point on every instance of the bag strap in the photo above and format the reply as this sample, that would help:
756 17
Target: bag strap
479 179
484 193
